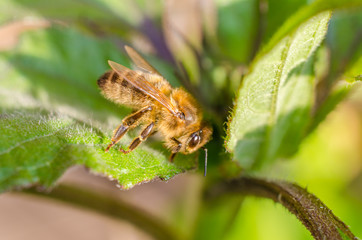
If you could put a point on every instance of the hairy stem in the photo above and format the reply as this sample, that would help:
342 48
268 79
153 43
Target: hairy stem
315 215
107 205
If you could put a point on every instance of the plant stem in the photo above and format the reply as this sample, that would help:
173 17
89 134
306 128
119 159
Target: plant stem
315 216
110 206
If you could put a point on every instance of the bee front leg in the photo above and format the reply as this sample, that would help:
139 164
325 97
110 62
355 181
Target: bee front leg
127 123
144 135
176 150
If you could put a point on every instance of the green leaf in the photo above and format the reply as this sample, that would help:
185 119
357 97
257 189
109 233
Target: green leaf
36 148
275 99
53 115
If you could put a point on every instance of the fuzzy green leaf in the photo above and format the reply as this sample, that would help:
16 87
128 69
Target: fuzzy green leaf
53 115
36 148
275 99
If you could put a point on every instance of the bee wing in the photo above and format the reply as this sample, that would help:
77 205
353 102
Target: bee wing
139 82
140 61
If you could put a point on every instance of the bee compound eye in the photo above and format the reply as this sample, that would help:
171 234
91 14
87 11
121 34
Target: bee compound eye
195 140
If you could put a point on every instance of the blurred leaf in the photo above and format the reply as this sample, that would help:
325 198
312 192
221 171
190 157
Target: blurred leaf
273 104
337 94
209 19
278 12
183 32
354 71
302 15
60 66
321 64
344 45
344 39
53 116
106 15
237 29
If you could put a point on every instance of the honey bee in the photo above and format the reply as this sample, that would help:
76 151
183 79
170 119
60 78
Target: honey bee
160 108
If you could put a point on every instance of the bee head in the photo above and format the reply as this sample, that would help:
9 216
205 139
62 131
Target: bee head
198 138
194 140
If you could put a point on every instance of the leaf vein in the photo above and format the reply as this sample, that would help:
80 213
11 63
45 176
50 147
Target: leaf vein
32 139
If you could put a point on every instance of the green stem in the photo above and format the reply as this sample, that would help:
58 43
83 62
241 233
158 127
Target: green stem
110 206
314 214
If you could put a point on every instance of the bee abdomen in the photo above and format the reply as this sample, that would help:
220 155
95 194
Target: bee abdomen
107 78
118 90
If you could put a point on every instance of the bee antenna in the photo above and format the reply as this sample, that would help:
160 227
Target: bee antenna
205 169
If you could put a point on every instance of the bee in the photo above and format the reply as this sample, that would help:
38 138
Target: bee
173 112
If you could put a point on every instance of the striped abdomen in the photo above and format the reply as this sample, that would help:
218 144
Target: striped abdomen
120 91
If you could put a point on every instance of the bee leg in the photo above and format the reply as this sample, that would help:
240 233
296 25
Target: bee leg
118 134
176 150
144 135
126 124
